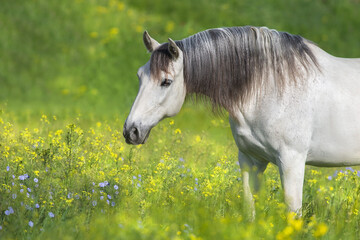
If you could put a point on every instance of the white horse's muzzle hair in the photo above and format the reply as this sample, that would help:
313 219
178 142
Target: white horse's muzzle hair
136 133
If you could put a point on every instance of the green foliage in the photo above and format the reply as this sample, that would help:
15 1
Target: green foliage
77 60
82 181
85 54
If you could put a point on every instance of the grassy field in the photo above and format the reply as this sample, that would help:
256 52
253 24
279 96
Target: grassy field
70 181
67 82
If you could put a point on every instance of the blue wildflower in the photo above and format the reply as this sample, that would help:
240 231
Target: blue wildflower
51 215
108 202
101 197
116 187
31 224
7 168
37 205
94 203
14 196
134 177
21 190
138 185
29 189
103 184
108 196
36 180
7 212
112 204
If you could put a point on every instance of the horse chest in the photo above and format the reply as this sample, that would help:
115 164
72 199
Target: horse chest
250 140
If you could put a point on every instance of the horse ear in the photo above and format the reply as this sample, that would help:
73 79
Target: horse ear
150 43
173 49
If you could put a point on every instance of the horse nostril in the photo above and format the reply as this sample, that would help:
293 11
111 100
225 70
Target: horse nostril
134 133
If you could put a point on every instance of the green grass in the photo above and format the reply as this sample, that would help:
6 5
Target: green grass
85 54
77 60
178 186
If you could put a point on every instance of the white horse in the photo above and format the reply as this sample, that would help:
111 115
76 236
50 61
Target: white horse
289 102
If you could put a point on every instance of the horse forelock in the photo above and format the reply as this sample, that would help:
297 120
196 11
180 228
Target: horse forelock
231 65
160 61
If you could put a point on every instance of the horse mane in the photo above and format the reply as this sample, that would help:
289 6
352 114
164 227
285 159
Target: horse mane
230 65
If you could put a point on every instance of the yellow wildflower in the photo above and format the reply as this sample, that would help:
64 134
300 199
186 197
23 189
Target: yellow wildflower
139 29
101 9
121 6
170 25
113 31
94 34
321 230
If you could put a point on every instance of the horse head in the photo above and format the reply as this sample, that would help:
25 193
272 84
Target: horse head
161 90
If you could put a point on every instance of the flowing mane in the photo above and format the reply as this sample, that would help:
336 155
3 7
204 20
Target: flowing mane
228 65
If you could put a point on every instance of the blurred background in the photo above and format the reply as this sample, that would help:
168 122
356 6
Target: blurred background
81 56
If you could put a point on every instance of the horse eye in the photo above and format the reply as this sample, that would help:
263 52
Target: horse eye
166 82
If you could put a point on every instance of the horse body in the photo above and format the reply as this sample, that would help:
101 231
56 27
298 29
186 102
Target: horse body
320 118
336 121
306 114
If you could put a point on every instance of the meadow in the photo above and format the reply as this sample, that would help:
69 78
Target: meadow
67 82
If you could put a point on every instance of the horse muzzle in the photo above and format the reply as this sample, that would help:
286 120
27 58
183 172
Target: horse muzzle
135 135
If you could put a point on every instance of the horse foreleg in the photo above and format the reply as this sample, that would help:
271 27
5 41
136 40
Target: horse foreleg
250 172
292 170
